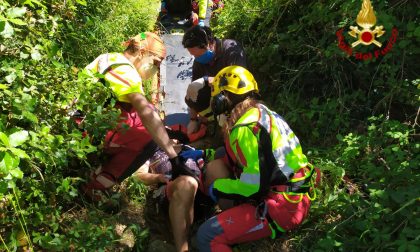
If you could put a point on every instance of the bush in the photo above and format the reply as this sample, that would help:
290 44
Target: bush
368 198
102 26
359 119
294 54
43 152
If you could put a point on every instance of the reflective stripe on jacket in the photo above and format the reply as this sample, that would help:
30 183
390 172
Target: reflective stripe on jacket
106 61
254 172
117 72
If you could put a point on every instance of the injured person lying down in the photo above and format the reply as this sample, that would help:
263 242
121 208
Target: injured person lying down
158 169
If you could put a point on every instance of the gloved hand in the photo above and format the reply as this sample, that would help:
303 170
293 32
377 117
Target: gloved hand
201 22
179 168
193 154
211 193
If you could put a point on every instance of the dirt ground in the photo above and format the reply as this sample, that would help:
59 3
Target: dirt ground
152 217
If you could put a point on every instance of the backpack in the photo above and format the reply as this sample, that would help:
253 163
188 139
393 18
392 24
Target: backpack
181 8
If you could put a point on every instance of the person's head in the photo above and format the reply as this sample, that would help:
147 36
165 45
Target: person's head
233 88
198 95
145 51
199 42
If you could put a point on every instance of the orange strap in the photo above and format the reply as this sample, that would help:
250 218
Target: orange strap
199 134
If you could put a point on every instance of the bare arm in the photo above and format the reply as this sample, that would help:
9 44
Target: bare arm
151 179
153 123
148 178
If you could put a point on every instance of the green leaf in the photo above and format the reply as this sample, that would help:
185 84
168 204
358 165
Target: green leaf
7 30
45 130
23 55
417 32
7 163
398 196
11 184
65 184
18 138
17 173
18 152
2 24
16 12
81 2
404 43
35 55
31 3
3 187
2 86
3 167
4 139
52 51
30 116
11 77
17 21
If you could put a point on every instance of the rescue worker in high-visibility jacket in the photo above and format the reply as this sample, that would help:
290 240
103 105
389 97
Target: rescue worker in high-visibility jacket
270 178
140 130
200 7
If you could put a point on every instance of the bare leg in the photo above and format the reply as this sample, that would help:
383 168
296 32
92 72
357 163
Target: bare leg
181 209
217 169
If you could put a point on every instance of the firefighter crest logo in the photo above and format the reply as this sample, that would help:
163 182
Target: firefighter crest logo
366 34
366 19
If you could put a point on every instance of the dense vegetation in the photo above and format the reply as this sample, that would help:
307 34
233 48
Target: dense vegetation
43 153
358 120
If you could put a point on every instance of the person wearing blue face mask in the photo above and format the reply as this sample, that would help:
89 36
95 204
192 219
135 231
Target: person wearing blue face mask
210 56
206 57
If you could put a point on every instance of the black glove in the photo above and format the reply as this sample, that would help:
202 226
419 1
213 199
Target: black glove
179 168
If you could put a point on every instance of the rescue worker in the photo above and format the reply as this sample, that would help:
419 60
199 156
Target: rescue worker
128 148
271 180
199 9
194 11
211 55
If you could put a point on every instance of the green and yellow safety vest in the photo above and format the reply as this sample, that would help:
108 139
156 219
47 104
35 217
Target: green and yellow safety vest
202 9
265 153
117 72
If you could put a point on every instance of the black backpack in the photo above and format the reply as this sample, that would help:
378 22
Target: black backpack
180 8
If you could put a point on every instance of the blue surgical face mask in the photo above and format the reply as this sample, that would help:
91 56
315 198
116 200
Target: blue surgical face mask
206 57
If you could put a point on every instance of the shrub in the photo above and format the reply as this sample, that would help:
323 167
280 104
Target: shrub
43 153
358 119
294 54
